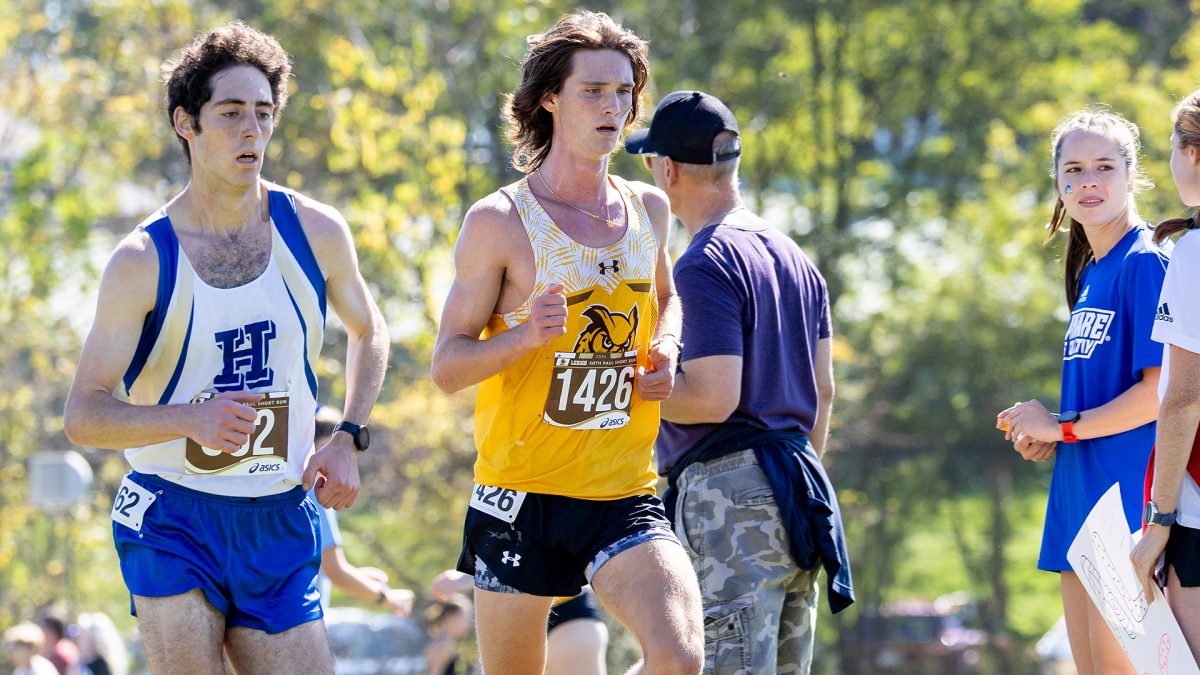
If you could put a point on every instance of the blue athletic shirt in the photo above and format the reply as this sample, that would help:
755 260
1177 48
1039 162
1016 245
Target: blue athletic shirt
1106 348
748 290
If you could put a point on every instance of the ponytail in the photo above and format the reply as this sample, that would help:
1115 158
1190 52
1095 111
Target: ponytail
1172 227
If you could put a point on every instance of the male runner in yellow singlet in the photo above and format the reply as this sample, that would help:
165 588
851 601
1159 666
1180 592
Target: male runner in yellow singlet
564 311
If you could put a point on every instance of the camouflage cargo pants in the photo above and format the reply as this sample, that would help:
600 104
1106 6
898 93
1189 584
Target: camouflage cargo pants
759 607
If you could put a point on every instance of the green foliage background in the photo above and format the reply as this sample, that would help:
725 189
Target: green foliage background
903 144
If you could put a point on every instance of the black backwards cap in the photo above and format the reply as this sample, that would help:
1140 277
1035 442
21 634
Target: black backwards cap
683 128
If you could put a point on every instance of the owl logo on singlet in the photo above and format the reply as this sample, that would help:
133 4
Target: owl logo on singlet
608 331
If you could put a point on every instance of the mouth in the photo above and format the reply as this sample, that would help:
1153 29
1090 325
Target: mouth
248 158
607 129
1090 202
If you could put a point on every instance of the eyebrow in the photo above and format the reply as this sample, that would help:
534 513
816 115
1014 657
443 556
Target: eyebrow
1100 159
607 82
238 101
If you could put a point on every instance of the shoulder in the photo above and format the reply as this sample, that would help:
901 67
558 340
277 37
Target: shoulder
134 263
1187 249
493 221
657 205
322 223
1145 256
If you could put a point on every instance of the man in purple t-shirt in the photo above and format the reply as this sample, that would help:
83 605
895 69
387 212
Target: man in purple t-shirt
754 389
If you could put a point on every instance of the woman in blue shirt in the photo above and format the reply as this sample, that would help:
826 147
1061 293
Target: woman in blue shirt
1104 429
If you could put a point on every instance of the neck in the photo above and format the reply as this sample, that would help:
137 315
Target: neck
704 205
221 207
582 181
1102 238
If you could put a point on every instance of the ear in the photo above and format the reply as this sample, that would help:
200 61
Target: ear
183 123
1193 153
550 102
670 170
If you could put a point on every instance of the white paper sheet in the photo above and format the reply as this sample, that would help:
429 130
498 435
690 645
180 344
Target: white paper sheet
1148 633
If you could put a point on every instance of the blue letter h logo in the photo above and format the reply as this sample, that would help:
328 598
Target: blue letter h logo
245 350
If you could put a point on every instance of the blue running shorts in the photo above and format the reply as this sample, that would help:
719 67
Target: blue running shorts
255 558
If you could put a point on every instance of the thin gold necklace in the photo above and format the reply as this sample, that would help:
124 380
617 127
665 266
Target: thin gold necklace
586 213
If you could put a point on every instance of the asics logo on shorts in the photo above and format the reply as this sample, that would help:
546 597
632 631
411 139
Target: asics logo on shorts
245 351
514 560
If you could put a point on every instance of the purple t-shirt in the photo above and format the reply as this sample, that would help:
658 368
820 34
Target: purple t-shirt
748 290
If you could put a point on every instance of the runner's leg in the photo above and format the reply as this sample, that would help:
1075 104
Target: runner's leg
652 590
181 634
511 628
577 647
300 649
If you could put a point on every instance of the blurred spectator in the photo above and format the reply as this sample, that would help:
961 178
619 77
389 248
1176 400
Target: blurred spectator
101 650
360 583
23 642
57 649
448 622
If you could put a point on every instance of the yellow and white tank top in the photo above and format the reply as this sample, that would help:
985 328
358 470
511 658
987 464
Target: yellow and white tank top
566 419
263 336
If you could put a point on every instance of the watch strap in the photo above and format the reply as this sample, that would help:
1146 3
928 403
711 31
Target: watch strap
1068 432
1153 516
353 429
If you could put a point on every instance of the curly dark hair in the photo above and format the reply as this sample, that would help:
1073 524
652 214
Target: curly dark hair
188 78
547 64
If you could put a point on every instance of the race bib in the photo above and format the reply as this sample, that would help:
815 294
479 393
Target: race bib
130 504
591 390
265 453
499 502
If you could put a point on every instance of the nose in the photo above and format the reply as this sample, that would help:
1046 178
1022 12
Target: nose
612 105
253 126
1089 178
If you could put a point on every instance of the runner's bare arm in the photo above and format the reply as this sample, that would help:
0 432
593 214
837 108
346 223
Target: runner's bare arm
366 350
348 295
490 238
656 383
93 415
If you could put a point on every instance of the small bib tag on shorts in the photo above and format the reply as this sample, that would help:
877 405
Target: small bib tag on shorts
130 504
499 502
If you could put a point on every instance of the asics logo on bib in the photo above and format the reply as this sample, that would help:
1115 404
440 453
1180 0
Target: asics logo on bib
608 331
245 351
615 267
514 560
1164 314
1087 330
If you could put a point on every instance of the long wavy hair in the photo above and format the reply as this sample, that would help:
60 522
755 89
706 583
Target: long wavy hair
1186 123
1127 137
529 126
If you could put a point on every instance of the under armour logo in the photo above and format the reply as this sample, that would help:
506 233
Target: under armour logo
245 351
514 560
615 268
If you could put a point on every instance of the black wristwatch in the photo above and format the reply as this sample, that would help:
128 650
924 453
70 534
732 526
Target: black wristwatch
359 432
1153 516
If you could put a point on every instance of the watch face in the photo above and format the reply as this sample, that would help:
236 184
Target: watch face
363 438
1148 512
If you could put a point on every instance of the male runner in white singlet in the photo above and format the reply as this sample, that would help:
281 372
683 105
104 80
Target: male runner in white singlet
201 365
